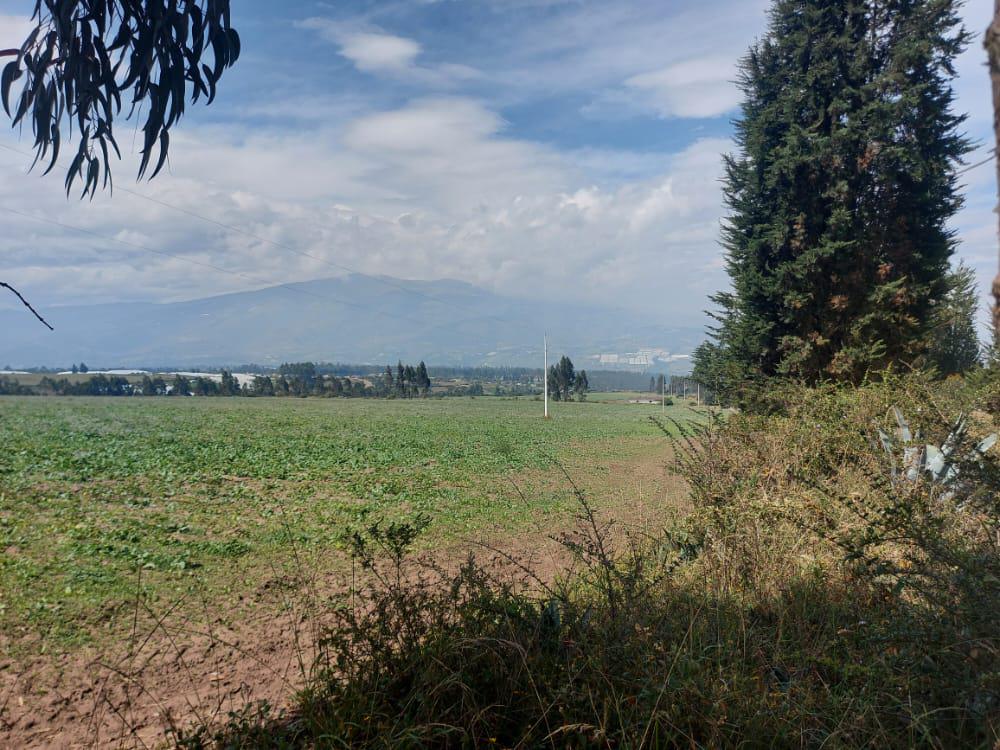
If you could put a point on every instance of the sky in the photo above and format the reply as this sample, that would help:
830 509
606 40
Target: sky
561 148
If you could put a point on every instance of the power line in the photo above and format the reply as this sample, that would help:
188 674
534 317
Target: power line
288 248
969 168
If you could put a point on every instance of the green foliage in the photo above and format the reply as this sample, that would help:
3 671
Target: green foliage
565 381
954 344
82 57
837 243
90 489
806 601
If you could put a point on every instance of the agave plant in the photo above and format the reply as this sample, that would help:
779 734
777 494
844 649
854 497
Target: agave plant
942 463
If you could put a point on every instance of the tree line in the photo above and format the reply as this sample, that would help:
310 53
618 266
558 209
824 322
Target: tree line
293 380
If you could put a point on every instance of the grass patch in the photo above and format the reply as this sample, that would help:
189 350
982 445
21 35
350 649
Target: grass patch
208 494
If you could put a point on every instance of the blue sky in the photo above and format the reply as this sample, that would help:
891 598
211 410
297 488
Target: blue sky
561 147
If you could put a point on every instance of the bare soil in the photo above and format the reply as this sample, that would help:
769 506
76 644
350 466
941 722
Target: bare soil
174 670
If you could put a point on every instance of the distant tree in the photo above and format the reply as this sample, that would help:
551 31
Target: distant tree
954 345
182 386
389 380
83 368
562 378
263 386
304 371
423 379
400 378
10 387
75 369
567 376
409 380
581 386
555 389
652 385
229 386
319 386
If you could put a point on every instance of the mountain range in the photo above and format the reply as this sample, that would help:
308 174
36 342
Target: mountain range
356 319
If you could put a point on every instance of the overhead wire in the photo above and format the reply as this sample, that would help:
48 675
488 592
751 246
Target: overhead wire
970 167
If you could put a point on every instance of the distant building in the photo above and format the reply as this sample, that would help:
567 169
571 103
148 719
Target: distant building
646 358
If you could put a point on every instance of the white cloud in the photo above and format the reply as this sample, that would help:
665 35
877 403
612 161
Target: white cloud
701 87
435 190
374 53
443 186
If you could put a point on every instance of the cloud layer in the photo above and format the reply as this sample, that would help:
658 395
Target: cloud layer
570 150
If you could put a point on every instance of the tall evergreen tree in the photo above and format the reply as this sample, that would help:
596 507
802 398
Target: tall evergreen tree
410 376
837 244
567 376
555 388
423 379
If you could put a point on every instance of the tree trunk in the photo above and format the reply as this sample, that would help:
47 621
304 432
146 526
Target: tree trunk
992 44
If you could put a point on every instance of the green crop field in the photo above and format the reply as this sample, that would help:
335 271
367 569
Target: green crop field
97 494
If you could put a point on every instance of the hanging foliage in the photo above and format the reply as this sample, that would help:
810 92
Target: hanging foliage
84 60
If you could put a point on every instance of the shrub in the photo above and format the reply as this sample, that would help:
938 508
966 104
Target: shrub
808 600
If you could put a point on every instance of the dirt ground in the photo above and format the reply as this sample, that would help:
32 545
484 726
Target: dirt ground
175 671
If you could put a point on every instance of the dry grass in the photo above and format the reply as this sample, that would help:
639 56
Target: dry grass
806 602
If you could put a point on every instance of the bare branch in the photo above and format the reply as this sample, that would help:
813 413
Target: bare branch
27 304
9 52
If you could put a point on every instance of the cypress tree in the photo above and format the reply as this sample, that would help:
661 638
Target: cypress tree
837 244
423 379
409 380
567 376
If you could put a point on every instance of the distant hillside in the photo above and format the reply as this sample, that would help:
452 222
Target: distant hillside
349 319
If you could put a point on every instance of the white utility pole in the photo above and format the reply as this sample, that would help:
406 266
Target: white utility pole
545 371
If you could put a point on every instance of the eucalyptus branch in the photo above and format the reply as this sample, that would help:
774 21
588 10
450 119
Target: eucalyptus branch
27 304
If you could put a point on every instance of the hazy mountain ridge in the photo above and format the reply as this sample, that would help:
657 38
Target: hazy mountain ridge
347 319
